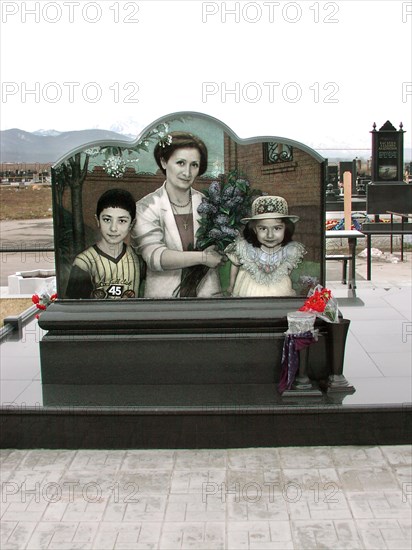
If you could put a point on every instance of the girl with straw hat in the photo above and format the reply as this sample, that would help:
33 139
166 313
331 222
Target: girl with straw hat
263 259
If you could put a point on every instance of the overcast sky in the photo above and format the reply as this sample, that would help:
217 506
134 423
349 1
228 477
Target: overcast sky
316 72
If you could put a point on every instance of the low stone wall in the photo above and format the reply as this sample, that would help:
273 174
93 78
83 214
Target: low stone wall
31 282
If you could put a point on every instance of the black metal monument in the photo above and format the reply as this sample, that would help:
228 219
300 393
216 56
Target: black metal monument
388 192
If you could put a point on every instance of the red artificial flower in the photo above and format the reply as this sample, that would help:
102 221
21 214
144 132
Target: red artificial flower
43 301
317 302
322 303
326 294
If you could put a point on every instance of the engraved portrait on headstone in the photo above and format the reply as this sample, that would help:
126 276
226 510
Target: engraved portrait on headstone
194 183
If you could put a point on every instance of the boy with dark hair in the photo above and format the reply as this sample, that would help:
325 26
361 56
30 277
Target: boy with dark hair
110 267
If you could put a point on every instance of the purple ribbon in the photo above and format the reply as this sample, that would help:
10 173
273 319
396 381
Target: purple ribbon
290 357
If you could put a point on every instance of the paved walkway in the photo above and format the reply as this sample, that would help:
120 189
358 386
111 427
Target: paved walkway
260 499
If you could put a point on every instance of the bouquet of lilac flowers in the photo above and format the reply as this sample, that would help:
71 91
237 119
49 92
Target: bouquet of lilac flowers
224 204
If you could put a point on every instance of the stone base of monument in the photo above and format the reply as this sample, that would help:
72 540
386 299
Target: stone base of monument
196 417
185 374
177 342
303 386
338 383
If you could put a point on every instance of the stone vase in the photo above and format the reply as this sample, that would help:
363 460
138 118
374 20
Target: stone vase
337 334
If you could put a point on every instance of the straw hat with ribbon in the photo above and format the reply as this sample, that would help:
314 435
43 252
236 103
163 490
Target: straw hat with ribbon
269 206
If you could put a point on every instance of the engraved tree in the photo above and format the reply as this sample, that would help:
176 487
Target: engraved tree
72 173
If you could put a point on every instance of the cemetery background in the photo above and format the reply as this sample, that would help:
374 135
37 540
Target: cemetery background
237 152
301 166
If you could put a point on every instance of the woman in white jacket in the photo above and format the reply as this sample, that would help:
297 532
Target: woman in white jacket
167 220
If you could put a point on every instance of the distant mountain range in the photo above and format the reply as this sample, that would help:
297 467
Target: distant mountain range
47 145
